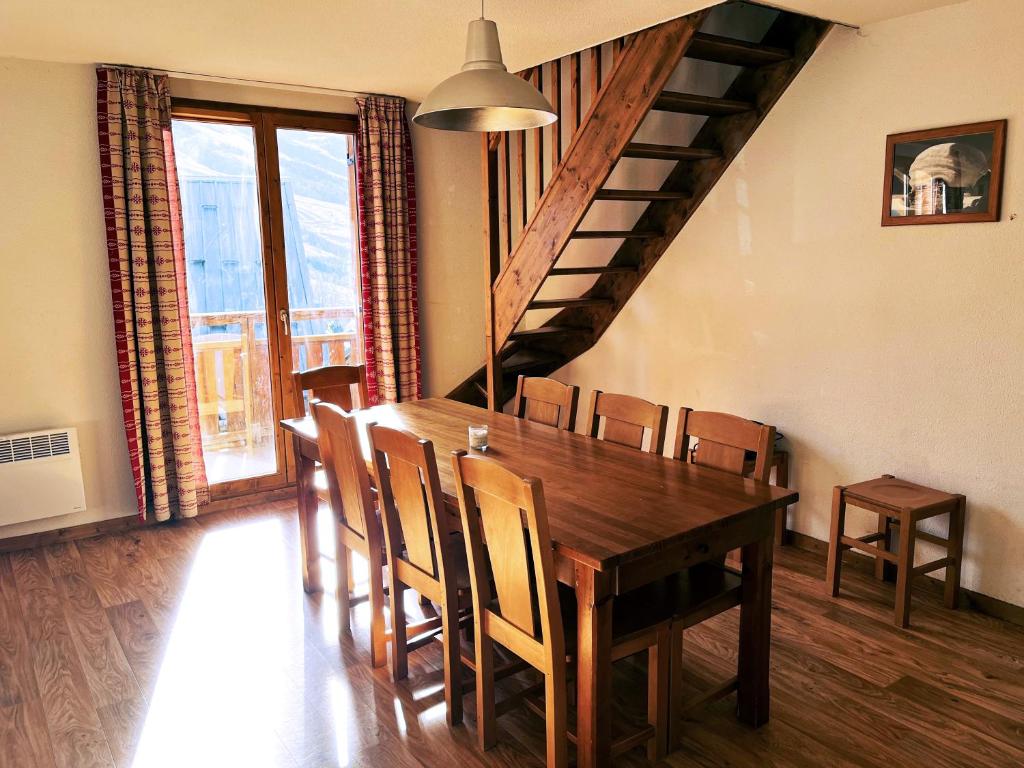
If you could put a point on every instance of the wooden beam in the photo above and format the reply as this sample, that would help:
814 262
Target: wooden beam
633 85
492 256
574 93
726 50
538 140
556 104
504 213
521 177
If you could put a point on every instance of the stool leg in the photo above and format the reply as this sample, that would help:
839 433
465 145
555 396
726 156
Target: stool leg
835 550
905 566
883 569
955 551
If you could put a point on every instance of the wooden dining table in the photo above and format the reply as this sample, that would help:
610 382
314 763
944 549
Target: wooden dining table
619 519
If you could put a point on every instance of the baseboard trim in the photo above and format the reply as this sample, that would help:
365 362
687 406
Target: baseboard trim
990 606
132 522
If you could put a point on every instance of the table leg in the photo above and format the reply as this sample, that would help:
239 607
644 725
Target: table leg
593 668
755 632
308 504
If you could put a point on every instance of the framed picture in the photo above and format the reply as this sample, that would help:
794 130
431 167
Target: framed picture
944 175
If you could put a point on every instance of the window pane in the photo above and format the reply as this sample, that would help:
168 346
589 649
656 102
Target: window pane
223 249
318 202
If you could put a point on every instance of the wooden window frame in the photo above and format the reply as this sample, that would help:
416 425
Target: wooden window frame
265 121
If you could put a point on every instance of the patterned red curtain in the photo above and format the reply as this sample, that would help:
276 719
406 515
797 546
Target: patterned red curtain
145 250
386 186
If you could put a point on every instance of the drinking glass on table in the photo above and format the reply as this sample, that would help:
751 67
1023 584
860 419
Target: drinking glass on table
478 437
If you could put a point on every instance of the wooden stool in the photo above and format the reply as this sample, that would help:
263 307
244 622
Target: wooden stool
902 503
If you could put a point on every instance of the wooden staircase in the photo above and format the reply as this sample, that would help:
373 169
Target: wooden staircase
524 245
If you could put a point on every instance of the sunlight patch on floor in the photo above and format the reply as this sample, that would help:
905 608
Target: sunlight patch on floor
229 657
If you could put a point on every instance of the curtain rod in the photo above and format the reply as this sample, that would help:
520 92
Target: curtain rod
245 81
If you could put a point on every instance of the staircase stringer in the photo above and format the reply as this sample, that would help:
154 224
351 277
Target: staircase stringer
764 86
635 82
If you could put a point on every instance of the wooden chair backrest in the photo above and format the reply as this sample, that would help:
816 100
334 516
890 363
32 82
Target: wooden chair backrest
342 385
411 503
505 524
723 441
347 479
625 419
546 401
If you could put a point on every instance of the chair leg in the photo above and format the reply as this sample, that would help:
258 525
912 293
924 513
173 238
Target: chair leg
378 633
781 480
882 568
555 715
835 551
675 714
659 665
485 717
955 550
399 641
452 661
904 573
343 558
350 573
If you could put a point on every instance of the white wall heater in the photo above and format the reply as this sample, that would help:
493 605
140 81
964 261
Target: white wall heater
40 475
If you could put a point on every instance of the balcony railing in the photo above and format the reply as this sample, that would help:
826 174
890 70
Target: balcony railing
233 366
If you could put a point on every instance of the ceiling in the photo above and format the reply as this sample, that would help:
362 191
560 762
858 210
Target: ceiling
403 47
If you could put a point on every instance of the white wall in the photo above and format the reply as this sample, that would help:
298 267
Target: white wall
56 331
56 326
873 349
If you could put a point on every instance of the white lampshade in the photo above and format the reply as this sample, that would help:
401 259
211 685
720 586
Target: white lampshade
484 96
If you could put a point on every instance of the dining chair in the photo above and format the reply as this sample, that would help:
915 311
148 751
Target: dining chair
626 420
357 526
342 385
345 387
504 520
423 553
546 401
724 443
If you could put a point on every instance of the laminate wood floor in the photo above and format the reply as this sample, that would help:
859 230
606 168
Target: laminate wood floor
193 645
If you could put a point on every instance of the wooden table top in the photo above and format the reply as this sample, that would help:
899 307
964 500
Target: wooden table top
606 504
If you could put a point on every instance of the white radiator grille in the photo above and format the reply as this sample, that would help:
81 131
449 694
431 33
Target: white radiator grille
40 475
39 446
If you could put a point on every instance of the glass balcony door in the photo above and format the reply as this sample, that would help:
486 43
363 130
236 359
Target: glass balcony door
315 191
271 246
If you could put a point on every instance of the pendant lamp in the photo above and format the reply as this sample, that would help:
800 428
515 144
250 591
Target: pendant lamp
484 96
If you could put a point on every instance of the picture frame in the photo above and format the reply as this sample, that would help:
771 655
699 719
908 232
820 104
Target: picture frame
951 175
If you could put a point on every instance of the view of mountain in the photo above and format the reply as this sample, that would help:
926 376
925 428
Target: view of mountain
222 227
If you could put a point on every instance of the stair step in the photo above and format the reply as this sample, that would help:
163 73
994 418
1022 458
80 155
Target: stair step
692 104
639 194
593 234
726 50
669 152
561 271
573 303
525 360
548 330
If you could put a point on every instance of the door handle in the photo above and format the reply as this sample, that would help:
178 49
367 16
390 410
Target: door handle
283 314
